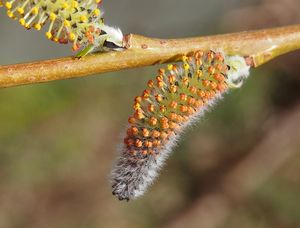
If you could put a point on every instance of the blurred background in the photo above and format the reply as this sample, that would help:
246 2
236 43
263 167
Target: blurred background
238 167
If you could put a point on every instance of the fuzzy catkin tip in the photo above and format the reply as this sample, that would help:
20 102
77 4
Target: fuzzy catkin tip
176 98
77 21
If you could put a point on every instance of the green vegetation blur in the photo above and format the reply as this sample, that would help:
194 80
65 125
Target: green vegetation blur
58 140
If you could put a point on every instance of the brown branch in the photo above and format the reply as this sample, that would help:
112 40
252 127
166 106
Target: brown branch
258 46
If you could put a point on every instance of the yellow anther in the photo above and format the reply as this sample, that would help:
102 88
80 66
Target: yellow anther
199 73
65 5
67 23
83 18
52 16
97 12
186 66
10 14
35 10
22 21
184 58
170 67
72 36
20 10
37 26
74 4
8 5
48 35
136 106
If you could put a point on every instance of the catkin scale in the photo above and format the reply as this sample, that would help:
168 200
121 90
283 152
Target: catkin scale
177 96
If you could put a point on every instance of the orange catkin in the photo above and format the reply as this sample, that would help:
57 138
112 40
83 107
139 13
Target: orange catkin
171 102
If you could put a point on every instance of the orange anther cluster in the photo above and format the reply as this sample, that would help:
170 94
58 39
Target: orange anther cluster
161 71
191 110
158 98
172 79
152 121
183 108
151 108
191 101
199 54
163 135
148 144
173 89
210 55
150 83
131 120
219 67
205 83
219 57
146 132
160 84
165 126
133 131
156 142
128 141
211 70
173 116
185 81
173 104
162 108
146 94
199 103
139 114
201 93
173 125
219 77
164 120
138 99
183 97
213 85
159 78
172 99
193 89
156 134
138 143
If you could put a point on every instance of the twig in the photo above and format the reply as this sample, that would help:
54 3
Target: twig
258 47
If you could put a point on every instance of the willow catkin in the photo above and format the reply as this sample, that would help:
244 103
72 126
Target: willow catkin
176 98
77 21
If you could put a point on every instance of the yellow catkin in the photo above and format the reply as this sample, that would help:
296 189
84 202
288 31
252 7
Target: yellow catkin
76 21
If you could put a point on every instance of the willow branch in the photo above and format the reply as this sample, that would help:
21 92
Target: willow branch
258 47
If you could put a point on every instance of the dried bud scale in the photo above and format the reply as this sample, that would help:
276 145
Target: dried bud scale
178 96
77 21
